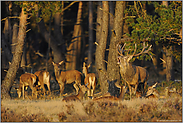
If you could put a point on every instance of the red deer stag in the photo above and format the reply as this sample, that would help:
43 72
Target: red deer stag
90 79
67 77
79 96
132 75
113 98
27 79
44 78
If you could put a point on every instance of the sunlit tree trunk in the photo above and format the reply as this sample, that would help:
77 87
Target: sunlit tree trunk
57 52
169 57
72 49
112 67
111 18
101 44
90 18
11 74
62 19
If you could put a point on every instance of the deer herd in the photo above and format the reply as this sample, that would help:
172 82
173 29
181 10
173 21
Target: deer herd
131 74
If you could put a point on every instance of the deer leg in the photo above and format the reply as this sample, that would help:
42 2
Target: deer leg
88 95
23 91
130 89
48 85
92 93
76 87
61 88
135 89
42 86
33 90
145 84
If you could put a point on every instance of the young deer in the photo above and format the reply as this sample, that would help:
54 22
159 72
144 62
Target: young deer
133 75
152 92
67 77
113 98
79 96
90 78
44 78
27 79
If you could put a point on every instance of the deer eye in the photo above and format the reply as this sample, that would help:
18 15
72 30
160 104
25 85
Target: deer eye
118 59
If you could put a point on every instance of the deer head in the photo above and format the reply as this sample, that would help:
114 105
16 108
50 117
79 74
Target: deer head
151 89
124 60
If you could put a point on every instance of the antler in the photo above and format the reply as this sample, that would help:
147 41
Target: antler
121 54
144 47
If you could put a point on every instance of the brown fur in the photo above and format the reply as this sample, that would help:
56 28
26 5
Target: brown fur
67 77
77 97
44 78
113 98
132 75
90 80
26 79
153 93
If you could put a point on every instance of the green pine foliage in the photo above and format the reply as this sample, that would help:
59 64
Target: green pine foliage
159 26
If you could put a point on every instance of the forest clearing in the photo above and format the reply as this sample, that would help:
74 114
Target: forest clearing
79 61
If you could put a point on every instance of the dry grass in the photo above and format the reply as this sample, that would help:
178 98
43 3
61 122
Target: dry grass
57 111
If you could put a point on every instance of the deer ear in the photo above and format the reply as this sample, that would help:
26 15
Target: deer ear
129 58
86 84
154 85
53 63
60 62
89 65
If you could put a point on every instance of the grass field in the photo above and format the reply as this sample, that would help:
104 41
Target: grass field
162 110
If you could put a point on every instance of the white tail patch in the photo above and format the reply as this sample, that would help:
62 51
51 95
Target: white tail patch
91 81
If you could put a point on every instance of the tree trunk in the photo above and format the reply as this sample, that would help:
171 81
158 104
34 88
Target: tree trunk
101 45
57 52
169 57
6 54
169 64
111 18
14 38
72 49
62 19
90 51
112 67
57 31
11 74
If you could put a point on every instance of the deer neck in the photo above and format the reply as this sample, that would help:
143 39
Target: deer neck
128 71
57 73
85 71
125 68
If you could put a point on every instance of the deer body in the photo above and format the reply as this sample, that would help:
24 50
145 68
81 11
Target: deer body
90 80
44 78
67 77
77 97
153 93
113 98
26 80
132 75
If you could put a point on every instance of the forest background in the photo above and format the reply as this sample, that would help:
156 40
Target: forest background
33 34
